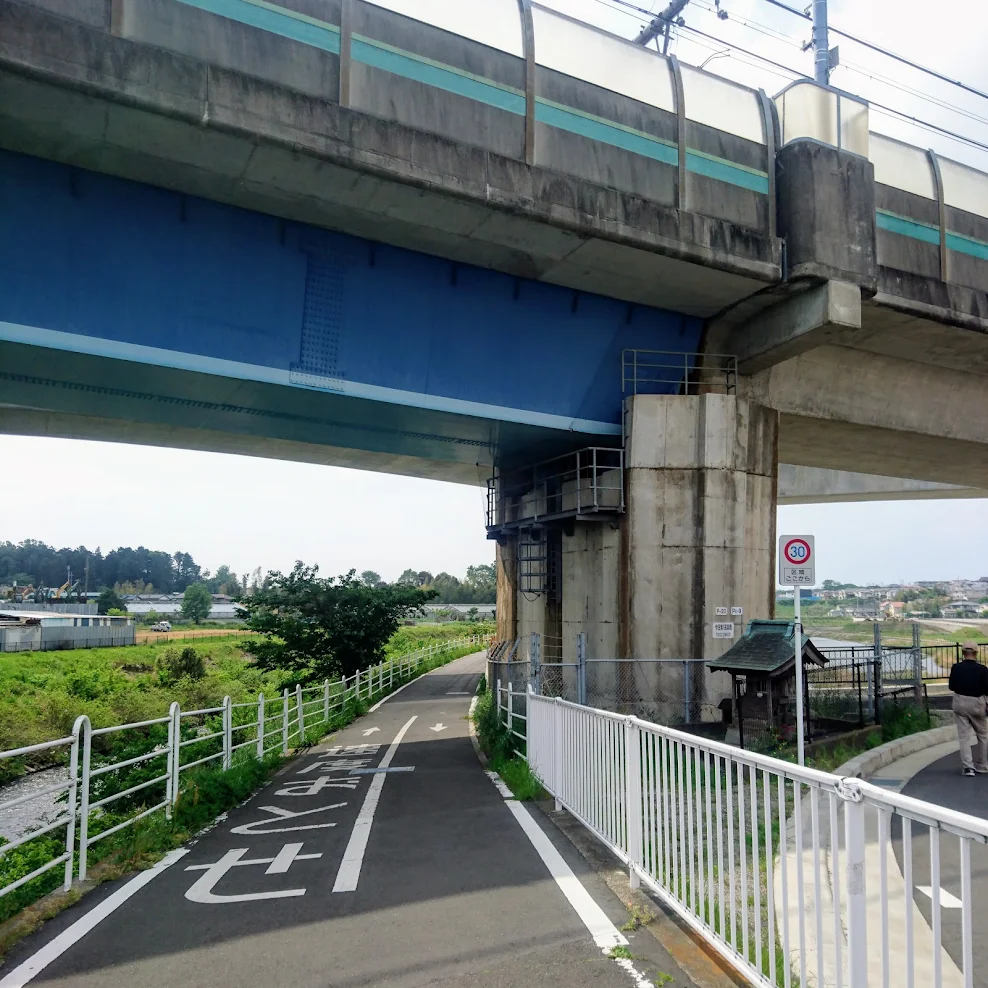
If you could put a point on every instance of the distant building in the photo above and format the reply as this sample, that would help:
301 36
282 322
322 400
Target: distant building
43 630
961 609
170 605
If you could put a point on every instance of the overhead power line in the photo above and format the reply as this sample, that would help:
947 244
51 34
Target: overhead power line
884 51
626 6
661 23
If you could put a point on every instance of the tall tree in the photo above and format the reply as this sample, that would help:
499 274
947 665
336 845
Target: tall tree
317 627
371 578
197 602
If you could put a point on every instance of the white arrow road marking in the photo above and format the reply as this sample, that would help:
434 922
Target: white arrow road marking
353 857
947 901
438 727
370 731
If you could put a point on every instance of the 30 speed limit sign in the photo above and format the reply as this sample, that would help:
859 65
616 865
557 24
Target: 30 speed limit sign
797 560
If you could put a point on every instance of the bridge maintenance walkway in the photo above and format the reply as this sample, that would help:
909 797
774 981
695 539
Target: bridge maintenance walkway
384 856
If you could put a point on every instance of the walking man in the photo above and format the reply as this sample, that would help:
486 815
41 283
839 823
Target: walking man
969 684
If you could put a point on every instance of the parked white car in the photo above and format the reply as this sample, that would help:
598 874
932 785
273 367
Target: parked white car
162 626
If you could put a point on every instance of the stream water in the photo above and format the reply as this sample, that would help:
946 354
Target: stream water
18 820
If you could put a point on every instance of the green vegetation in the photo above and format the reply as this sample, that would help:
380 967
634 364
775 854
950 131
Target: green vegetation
411 639
42 693
197 602
620 952
479 586
500 747
315 627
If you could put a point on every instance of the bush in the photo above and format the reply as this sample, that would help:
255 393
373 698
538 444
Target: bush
174 665
898 721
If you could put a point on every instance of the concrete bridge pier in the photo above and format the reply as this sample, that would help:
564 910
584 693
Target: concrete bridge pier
695 543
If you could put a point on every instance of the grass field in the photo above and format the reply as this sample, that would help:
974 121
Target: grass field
42 693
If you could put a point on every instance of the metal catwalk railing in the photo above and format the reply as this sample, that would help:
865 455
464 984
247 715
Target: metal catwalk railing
793 875
108 787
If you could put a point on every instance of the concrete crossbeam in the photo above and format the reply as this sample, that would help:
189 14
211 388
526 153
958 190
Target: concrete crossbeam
822 314
815 485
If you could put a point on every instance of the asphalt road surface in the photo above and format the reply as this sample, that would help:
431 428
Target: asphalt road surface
422 875
942 784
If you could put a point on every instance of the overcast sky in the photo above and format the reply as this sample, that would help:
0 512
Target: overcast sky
250 513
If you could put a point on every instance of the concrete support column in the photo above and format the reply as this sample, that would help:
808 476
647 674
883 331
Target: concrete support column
507 590
699 533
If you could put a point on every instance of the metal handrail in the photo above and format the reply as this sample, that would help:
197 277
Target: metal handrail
678 372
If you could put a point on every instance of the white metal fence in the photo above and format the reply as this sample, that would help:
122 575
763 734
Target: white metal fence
793 875
118 775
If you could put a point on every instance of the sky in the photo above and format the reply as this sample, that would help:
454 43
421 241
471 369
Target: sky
250 512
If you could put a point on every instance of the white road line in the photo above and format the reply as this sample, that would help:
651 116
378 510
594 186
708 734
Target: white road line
605 934
395 693
52 950
947 901
353 857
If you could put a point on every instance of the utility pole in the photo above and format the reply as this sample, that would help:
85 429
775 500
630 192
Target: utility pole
661 23
821 44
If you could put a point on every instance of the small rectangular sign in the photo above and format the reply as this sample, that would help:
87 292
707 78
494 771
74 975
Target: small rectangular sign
797 560
723 629
737 611
720 610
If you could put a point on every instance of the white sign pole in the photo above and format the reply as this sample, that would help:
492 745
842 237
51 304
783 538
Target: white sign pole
800 727
797 568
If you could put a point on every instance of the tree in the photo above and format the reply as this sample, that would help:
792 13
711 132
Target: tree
109 600
409 578
197 602
316 627
371 578
223 581
186 570
449 588
482 582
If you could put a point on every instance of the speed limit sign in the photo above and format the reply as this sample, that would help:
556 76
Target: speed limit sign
797 560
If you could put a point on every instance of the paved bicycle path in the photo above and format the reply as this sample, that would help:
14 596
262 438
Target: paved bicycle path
449 888
942 784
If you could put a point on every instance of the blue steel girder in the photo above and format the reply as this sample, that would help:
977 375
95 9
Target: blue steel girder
126 300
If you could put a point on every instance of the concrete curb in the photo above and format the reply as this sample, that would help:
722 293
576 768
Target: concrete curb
866 764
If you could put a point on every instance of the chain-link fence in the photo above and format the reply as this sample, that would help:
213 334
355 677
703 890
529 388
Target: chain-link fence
673 692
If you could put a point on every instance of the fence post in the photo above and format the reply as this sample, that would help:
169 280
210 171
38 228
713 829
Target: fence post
917 663
535 660
876 658
581 669
557 752
175 712
87 753
325 700
497 699
260 725
511 720
857 906
391 674
284 722
633 798
300 714
227 732
77 730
